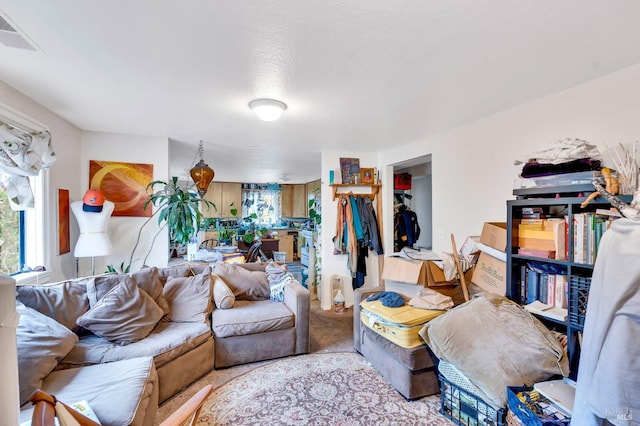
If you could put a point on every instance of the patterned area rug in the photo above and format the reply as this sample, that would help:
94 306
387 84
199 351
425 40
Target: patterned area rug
317 389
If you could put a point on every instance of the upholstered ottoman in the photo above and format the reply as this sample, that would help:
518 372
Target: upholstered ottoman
412 372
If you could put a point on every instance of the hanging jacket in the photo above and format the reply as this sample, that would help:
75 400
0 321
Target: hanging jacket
406 227
369 222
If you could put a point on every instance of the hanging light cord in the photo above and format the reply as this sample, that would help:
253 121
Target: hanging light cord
199 153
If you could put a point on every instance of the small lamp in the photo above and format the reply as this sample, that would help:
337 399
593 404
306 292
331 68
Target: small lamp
201 173
268 109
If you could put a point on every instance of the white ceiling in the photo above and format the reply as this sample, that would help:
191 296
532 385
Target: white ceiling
356 75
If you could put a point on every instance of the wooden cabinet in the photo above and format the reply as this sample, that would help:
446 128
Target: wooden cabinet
222 194
300 208
286 201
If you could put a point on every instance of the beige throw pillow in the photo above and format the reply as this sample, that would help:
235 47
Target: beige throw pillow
124 315
245 285
222 294
190 298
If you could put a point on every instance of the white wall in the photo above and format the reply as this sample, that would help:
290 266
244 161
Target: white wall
472 165
64 173
473 171
123 230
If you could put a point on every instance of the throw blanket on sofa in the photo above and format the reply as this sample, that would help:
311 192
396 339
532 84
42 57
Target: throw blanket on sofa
278 277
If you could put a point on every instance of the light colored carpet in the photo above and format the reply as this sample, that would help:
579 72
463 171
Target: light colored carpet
317 389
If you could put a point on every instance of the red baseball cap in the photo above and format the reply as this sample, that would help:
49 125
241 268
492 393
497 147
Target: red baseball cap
92 201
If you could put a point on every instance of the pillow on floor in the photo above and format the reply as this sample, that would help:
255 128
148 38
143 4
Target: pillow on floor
495 343
124 315
42 343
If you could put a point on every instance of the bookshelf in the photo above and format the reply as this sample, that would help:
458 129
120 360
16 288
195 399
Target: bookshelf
573 265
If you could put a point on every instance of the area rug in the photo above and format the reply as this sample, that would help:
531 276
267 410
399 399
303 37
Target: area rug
317 389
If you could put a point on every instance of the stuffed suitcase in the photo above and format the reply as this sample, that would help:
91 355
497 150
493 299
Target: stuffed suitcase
399 325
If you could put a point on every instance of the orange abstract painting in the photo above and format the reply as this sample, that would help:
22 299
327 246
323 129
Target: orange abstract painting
64 237
124 184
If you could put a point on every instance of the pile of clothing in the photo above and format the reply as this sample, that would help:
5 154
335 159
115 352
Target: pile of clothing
567 155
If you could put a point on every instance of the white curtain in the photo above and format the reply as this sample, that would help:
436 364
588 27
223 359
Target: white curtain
264 203
22 154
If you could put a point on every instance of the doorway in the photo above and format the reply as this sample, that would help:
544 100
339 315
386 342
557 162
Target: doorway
417 199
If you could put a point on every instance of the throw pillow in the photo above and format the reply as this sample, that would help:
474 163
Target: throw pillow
63 301
245 284
222 294
495 343
42 342
148 279
124 315
190 298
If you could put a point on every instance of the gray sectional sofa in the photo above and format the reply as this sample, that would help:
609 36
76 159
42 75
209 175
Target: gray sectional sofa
126 343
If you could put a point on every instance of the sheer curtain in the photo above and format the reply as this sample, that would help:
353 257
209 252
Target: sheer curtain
265 203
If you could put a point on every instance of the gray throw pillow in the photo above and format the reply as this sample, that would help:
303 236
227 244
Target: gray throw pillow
245 284
63 301
124 315
42 343
190 298
148 279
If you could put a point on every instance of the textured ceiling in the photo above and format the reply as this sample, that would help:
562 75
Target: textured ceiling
356 75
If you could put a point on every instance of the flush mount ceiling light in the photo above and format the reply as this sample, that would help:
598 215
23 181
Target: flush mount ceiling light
201 173
267 109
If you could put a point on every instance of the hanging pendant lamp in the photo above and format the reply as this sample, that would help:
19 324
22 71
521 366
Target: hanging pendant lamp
201 173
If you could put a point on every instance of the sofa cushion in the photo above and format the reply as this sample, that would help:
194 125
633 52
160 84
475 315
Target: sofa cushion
222 294
148 279
125 314
251 317
120 393
180 271
495 343
190 298
63 301
42 343
167 341
245 284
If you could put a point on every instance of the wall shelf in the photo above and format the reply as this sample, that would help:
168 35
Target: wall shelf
338 189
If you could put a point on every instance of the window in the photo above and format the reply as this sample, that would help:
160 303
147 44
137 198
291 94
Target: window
264 203
11 236
22 240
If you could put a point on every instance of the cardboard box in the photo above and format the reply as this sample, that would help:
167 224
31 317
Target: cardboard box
421 272
494 234
490 274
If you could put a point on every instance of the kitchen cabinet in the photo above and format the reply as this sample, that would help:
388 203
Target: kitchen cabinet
222 194
294 200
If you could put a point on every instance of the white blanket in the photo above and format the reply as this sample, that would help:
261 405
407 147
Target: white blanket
608 384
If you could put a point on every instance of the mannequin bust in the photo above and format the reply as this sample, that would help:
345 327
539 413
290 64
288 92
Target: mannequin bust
93 240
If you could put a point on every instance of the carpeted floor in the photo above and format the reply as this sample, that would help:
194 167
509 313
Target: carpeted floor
331 335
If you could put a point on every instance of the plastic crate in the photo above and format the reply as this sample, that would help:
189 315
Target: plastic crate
578 297
525 415
464 408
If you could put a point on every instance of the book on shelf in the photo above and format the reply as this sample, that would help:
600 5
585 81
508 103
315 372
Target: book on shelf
544 254
561 291
544 310
612 212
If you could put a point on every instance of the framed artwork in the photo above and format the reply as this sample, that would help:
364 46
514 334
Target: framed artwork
348 168
64 237
124 184
367 175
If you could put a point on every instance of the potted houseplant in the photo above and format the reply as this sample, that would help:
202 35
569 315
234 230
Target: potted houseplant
178 208
253 231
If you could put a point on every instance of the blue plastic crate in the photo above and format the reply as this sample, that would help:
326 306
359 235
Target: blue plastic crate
578 298
525 414
464 408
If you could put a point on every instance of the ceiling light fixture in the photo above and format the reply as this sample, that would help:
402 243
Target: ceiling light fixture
201 173
267 109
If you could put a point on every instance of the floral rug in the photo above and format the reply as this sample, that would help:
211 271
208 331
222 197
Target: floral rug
317 389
